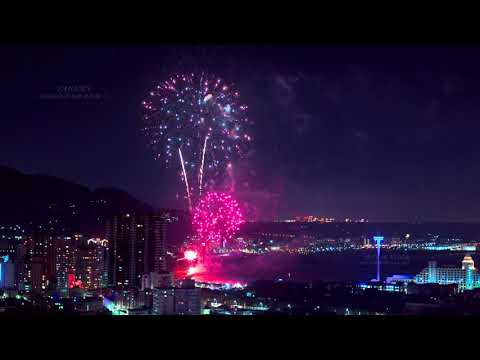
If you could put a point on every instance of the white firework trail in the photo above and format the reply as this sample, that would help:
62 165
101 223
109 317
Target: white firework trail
203 161
186 180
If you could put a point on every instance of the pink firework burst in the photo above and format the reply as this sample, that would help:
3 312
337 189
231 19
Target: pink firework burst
216 218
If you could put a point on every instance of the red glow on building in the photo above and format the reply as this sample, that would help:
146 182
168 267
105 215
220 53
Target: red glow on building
72 282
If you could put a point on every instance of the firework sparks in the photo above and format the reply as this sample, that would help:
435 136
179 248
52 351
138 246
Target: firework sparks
186 110
216 219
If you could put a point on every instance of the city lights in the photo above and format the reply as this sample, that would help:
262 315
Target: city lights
291 180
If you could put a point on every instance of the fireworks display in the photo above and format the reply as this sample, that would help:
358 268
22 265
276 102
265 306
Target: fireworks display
216 218
197 124
201 118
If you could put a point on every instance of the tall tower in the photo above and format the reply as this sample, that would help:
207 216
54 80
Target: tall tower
378 240
38 258
468 266
65 262
118 233
20 265
155 230
136 247
160 233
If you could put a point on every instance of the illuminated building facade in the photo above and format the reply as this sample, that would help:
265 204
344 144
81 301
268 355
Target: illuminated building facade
36 277
466 277
12 233
157 232
187 301
122 300
40 260
157 280
163 301
83 268
400 279
136 251
20 266
98 252
45 260
127 299
184 300
49 263
118 233
92 264
37 246
7 273
7 249
137 247
65 262
390 287
88 305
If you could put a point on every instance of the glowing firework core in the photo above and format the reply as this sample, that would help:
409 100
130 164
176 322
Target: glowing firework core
216 219
190 255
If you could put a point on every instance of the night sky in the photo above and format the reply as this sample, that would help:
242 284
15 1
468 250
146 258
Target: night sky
389 133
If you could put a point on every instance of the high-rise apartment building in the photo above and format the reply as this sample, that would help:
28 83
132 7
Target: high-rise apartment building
65 262
20 265
92 268
157 235
118 233
137 246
